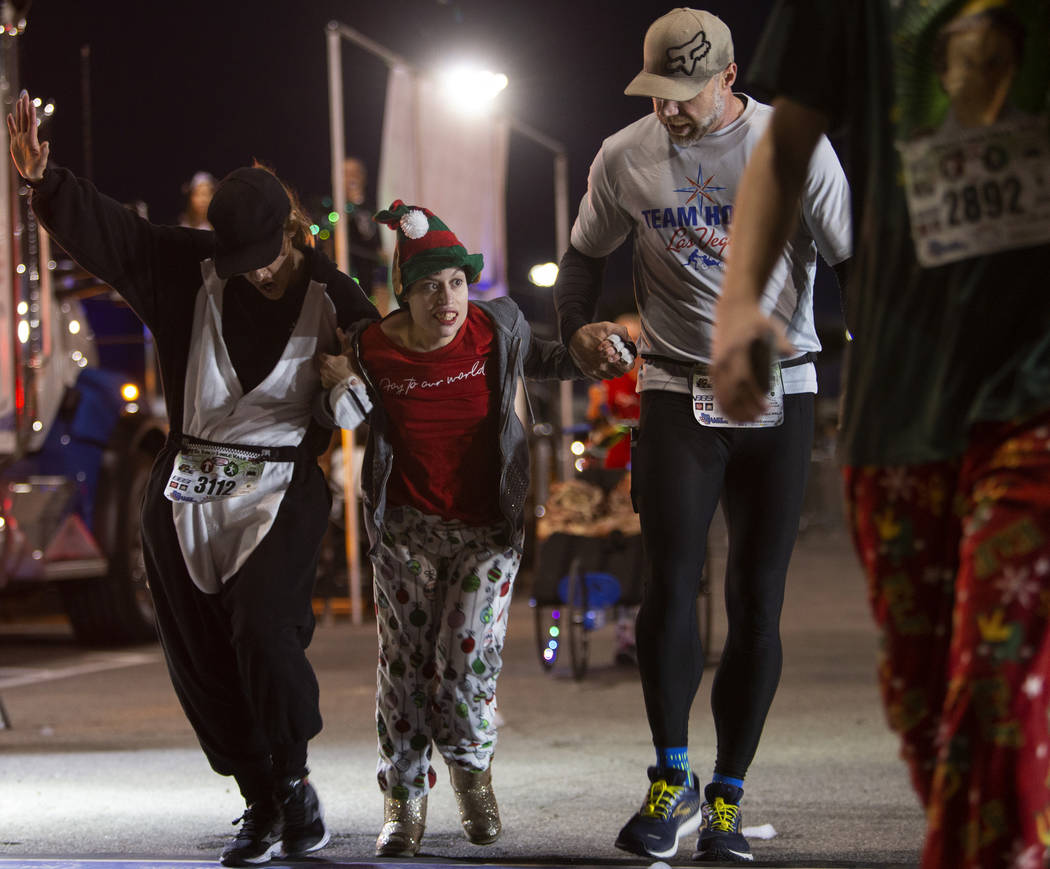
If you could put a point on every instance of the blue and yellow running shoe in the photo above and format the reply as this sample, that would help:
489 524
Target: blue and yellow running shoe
720 839
670 811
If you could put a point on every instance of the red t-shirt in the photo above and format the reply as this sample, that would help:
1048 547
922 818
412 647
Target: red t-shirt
443 421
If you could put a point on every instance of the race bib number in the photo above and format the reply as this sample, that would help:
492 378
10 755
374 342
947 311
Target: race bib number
201 475
708 412
978 191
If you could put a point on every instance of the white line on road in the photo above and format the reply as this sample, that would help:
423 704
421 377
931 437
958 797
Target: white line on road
12 677
32 863
44 863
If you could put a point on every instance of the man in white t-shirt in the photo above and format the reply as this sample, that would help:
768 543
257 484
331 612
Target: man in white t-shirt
670 178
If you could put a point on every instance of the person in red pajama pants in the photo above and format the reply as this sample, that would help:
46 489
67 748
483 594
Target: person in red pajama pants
945 429
958 557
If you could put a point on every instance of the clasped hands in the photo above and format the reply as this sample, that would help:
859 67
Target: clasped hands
335 368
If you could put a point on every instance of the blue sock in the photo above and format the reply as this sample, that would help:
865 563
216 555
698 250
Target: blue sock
674 758
728 780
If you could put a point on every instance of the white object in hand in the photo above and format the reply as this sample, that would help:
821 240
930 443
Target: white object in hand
621 348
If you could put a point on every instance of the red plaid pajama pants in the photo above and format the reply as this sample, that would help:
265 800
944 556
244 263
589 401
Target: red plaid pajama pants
957 556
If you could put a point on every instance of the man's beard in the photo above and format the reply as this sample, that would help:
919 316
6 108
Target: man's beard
703 126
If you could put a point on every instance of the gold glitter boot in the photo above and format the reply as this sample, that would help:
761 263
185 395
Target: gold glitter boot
403 823
478 811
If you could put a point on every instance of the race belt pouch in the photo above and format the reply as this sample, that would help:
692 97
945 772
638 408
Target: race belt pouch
708 412
209 471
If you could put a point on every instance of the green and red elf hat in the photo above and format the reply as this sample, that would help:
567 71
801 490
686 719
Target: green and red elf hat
425 245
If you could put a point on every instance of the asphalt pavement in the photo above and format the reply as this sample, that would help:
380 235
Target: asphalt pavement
98 767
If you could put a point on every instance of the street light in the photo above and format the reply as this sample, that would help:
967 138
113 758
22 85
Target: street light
471 91
543 274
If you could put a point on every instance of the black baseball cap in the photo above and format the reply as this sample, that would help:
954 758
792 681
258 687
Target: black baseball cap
247 212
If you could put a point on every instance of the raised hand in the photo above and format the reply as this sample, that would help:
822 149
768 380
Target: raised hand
28 152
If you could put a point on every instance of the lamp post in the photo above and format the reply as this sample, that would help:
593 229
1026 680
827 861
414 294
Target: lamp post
334 34
561 244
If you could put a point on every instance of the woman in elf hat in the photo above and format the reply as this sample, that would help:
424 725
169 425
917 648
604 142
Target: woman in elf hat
445 476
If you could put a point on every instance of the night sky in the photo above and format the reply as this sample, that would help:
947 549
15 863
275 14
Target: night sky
180 87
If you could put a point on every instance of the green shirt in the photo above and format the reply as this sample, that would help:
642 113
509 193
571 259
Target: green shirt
948 297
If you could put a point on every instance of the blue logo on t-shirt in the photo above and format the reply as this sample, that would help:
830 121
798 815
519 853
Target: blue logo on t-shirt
700 230
711 213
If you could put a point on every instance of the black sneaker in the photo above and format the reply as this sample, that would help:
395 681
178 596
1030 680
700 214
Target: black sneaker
304 826
258 839
670 811
721 840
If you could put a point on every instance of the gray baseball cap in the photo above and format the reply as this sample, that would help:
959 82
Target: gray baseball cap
683 50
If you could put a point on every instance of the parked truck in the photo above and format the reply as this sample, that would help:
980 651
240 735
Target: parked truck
80 417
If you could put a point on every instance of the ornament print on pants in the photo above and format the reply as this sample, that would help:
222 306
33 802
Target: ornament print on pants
442 593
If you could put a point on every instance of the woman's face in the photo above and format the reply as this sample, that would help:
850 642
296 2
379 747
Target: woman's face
272 280
438 306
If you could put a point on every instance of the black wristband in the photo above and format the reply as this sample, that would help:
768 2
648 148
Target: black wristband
34 184
577 290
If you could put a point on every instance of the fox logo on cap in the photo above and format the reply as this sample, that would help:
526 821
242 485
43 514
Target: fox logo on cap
685 57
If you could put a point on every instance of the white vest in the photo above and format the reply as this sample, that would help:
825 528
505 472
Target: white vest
218 536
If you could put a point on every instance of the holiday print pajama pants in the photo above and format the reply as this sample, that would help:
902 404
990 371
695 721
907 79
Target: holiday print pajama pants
957 556
442 593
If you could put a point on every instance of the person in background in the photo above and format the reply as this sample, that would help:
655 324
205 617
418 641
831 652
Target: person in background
945 427
367 262
669 181
445 477
198 192
236 505
613 402
613 405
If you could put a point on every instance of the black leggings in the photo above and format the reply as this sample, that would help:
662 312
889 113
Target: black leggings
679 472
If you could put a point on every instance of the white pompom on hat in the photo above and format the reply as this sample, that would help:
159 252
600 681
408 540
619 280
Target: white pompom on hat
425 245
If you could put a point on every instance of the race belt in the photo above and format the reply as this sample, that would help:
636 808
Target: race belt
211 471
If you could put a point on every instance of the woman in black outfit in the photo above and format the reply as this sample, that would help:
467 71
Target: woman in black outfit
236 505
